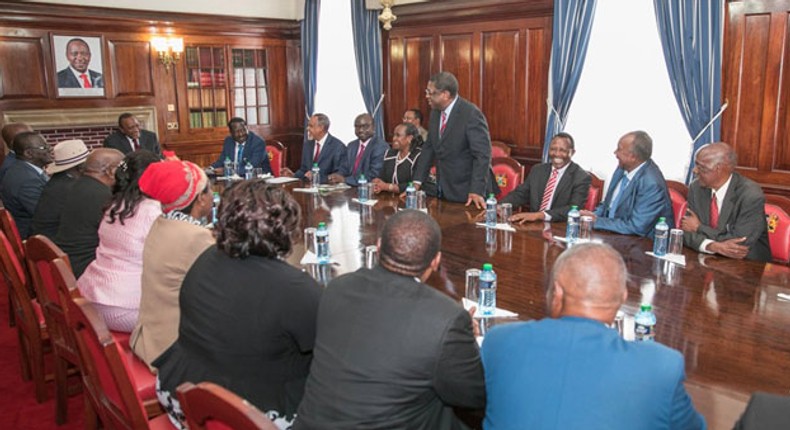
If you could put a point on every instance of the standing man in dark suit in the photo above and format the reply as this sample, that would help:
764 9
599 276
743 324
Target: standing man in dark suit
552 188
726 211
571 371
243 146
320 147
459 144
391 352
364 156
26 178
130 137
637 194
77 75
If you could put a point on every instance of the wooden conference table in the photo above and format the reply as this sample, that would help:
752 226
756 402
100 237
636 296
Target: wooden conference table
730 319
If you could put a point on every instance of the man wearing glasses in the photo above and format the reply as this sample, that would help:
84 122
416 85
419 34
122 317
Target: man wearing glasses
26 178
458 143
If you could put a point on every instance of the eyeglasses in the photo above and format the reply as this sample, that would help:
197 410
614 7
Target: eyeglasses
39 147
432 93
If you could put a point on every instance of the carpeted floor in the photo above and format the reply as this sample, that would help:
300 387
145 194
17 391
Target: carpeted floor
18 406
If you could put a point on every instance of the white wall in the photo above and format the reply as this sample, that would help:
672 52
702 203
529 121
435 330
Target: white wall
281 9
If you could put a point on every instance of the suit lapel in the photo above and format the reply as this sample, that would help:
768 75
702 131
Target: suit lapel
728 203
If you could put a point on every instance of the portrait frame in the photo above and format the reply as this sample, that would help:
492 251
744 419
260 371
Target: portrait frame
68 76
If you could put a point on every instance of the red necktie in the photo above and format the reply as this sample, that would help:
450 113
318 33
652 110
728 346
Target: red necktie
86 83
359 158
136 144
714 212
317 151
444 123
549 189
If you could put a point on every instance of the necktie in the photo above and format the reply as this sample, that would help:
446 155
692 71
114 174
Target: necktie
359 158
239 153
136 144
549 189
714 211
317 152
86 83
617 198
444 123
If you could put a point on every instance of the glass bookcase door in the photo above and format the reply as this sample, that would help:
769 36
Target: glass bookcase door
250 86
206 87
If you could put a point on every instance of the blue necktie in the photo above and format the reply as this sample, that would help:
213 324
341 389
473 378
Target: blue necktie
239 152
616 201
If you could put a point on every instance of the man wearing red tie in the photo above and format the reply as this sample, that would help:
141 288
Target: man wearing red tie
726 211
364 156
77 75
320 148
130 137
552 188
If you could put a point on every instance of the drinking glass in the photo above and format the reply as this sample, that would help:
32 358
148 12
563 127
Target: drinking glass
505 212
257 172
371 256
585 228
309 239
675 242
472 284
422 201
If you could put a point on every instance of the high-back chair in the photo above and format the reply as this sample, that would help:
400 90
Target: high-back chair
30 323
40 253
595 193
509 174
778 220
499 149
276 153
208 406
8 226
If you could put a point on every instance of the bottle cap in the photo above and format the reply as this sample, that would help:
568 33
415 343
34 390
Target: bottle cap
662 219
490 195
315 164
361 177
645 307
488 266
574 207
321 224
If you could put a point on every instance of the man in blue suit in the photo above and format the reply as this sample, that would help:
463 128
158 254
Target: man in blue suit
243 146
25 180
320 147
571 371
364 156
637 194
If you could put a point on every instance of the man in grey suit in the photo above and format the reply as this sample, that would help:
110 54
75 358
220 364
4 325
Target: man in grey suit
726 211
391 352
26 178
552 188
130 137
77 75
459 144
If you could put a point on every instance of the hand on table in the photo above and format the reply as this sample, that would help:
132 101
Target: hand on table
589 214
477 199
288 172
522 217
336 178
731 248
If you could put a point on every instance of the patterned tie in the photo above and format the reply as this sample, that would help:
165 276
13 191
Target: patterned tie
359 158
239 153
317 152
714 211
549 190
444 124
86 83
616 200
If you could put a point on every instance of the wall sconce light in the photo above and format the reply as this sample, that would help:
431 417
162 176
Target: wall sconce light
169 49
387 17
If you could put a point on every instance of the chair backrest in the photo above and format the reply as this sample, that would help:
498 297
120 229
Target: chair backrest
679 213
8 226
15 277
210 406
680 187
509 174
276 153
776 215
104 373
499 149
679 205
595 193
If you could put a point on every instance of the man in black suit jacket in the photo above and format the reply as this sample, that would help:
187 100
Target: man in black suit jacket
77 75
320 147
740 230
25 180
130 137
571 185
459 143
391 352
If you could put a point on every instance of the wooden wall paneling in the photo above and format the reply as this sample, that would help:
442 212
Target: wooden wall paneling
131 65
538 47
780 160
772 69
501 55
457 58
23 67
394 67
418 68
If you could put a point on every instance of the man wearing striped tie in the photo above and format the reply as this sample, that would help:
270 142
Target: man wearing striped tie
551 188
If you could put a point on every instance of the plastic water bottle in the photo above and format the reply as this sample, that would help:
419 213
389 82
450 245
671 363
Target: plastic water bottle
572 230
491 211
661 238
228 168
363 192
322 244
248 173
214 208
645 324
411 196
487 290
315 173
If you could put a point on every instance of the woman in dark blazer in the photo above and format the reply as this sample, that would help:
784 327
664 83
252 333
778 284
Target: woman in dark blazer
399 161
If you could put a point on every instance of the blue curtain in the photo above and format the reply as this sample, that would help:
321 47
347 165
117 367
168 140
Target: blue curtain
367 46
691 35
573 21
310 52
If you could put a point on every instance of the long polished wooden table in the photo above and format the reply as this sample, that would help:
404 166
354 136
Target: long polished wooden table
730 319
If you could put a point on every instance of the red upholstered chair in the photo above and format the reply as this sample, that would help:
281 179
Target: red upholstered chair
509 174
208 406
31 327
776 215
680 187
104 373
595 193
276 153
679 204
499 149
8 226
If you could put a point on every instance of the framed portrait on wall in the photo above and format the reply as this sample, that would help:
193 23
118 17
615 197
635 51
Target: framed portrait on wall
79 64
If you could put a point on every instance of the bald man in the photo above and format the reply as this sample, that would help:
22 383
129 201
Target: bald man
726 211
390 351
571 371
78 232
9 133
